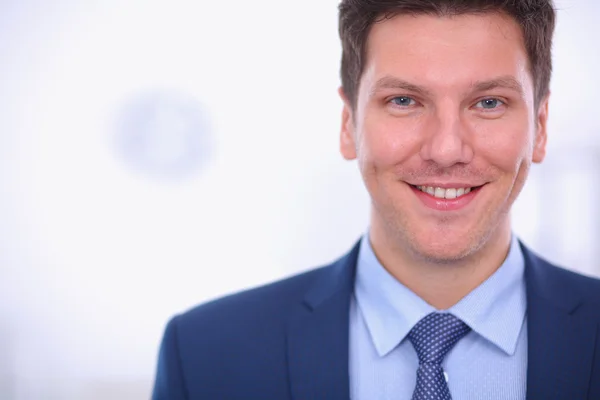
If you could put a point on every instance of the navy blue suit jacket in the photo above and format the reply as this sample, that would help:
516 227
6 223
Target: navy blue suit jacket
289 340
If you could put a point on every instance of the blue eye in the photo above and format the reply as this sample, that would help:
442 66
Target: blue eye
403 101
489 104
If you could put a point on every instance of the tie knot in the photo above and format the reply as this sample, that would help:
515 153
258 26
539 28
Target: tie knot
434 336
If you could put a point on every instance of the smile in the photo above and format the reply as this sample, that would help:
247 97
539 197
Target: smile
446 198
445 193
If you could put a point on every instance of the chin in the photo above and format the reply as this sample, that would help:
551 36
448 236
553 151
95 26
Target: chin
441 255
445 249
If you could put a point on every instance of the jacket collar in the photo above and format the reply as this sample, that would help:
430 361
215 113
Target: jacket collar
318 335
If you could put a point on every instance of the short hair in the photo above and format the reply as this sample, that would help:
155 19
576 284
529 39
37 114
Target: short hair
535 17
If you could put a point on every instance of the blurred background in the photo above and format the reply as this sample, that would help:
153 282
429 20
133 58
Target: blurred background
154 155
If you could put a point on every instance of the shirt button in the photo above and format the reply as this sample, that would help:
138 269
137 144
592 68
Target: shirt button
446 376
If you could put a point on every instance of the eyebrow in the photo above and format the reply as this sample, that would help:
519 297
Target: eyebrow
507 82
389 82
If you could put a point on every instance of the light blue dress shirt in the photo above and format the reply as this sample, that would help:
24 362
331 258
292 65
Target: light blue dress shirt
488 363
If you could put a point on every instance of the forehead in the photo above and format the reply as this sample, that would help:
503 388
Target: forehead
445 52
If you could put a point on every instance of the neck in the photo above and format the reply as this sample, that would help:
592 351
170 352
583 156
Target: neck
442 284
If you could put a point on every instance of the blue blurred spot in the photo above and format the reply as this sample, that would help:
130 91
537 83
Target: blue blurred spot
164 134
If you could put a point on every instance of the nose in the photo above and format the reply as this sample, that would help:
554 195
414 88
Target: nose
446 141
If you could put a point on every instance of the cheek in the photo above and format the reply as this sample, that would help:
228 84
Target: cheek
385 142
506 148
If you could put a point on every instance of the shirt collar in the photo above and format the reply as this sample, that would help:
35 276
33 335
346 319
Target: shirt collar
495 309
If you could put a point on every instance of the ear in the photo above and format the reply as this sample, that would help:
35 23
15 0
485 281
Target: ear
347 138
541 135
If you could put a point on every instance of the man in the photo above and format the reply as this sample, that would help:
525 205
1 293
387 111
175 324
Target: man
445 109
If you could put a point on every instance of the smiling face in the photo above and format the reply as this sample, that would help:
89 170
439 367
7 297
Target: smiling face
444 129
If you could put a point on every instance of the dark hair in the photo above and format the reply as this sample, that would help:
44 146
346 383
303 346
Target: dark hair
356 17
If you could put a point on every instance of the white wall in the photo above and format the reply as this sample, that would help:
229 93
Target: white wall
101 244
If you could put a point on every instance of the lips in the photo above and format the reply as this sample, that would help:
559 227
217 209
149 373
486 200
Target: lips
446 199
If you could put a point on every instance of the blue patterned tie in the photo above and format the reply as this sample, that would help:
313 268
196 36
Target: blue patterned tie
432 338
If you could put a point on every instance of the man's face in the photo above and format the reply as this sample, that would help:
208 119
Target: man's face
444 130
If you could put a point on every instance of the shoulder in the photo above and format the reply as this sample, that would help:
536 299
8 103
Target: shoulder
272 305
236 345
559 282
262 305
587 287
228 347
586 284
236 342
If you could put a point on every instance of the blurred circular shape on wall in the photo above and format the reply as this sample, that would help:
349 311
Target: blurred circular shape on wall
164 134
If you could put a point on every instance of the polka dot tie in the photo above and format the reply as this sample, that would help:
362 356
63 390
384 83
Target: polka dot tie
432 338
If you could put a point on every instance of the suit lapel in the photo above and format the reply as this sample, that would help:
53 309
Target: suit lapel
318 335
561 339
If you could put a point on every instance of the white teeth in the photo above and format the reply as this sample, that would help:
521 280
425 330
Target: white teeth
441 193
